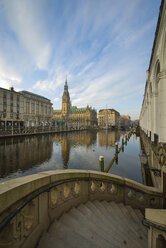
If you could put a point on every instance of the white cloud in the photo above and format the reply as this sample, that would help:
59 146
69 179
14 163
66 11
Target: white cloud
25 21
8 76
56 99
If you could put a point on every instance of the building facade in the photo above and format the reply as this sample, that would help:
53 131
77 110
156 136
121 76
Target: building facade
73 116
153 111
125 121
108 118
37 109
11 108
23 108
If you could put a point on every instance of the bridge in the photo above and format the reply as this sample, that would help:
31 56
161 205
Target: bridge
51 208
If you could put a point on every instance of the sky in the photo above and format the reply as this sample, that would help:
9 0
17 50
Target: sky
103 47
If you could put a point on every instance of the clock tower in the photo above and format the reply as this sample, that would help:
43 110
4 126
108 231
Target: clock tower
65 100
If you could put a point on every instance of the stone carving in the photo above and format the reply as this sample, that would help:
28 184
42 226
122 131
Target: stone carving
66 190
140 196
54 196
103 187
93 186
129 193
29 214
113 188
77 188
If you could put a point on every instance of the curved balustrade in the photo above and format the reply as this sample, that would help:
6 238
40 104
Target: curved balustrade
30 204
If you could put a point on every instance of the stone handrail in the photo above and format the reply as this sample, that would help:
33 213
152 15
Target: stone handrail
28 205
155 219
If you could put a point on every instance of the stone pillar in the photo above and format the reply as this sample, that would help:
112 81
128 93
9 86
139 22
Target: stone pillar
162 106
155 100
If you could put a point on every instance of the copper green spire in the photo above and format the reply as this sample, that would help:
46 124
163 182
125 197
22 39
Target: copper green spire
66 88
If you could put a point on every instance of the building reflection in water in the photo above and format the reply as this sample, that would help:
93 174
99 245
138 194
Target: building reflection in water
107 138
50 151
24 153
73 139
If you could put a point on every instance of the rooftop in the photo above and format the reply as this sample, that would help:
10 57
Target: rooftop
24 92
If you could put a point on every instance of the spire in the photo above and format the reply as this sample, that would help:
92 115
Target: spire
66 88
66 82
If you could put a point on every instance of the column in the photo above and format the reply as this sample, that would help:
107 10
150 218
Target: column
162 106
155 108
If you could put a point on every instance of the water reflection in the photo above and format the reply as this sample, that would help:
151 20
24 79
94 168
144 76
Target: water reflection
73 150
107 138
73 139
24 153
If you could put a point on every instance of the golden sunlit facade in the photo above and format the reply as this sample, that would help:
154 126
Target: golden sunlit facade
108 117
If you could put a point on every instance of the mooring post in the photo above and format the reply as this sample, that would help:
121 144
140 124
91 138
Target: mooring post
122 140
123 144
116 148
101 163
126 139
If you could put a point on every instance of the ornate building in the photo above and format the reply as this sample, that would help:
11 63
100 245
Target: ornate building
108 118
73 116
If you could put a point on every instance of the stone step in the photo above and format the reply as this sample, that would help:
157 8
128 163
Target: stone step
74 220
117 224
69 236
104 222
97 225
124 225
131 223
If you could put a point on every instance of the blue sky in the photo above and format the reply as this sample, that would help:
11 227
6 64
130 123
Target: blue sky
102 46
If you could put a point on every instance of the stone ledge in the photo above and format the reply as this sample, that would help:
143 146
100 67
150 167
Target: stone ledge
14 190
157 216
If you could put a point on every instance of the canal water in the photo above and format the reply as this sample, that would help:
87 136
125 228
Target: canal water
73 150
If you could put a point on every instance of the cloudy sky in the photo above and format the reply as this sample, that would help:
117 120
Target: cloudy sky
102 46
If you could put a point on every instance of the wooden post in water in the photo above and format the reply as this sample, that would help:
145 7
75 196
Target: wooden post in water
126 140
122 144
101 163
116 148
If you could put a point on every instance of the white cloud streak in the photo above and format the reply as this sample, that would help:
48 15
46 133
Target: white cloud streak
26 23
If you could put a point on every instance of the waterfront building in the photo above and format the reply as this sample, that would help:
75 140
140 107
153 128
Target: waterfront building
125 121
23 108
37 109
11 108
108 118
153 111
73 116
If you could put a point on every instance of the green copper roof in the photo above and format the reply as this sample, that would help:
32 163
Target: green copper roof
74 109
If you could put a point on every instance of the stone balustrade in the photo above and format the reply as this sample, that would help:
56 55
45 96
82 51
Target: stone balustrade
28 205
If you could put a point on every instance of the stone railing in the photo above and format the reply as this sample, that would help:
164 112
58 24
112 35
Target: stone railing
155 219
37 130
28 205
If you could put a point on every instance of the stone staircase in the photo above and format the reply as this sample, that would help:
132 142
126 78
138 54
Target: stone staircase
97 224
